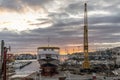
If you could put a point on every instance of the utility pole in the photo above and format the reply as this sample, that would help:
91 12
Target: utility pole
2 57
86 63
2 50
4 63
3 60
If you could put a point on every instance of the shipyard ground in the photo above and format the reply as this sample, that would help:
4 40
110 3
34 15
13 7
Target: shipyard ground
27 74
68 76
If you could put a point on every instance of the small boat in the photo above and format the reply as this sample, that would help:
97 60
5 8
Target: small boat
48 58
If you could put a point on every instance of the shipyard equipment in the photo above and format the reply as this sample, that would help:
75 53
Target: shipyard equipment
86 63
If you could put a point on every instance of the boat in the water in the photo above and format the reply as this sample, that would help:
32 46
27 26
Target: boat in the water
48 58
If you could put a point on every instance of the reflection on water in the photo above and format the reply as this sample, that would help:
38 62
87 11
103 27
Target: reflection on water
27 70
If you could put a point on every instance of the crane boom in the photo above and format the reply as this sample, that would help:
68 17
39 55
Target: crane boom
86 63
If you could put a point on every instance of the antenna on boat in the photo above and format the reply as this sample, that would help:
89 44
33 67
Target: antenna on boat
48 41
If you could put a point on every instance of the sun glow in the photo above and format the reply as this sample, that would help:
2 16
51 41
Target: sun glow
21 22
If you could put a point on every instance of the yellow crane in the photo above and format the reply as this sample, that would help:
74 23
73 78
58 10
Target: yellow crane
86 63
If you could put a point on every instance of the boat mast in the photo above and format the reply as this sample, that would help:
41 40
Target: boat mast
48 42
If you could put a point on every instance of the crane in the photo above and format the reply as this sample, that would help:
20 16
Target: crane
86 63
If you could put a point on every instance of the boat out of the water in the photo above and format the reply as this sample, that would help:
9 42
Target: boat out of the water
48 58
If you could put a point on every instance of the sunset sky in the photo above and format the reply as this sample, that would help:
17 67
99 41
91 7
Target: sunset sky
27 24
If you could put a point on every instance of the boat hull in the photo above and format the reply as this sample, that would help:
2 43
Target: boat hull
48 58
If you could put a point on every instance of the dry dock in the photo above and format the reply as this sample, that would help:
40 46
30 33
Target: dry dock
30 72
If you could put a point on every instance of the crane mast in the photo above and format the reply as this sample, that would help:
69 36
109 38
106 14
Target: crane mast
86 63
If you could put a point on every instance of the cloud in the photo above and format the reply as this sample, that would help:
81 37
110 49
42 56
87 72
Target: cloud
11 5
22 6
66 23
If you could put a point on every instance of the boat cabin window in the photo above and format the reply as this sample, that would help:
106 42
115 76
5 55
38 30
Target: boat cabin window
44 49
50 49
56 50
48 56
47 49
40 50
